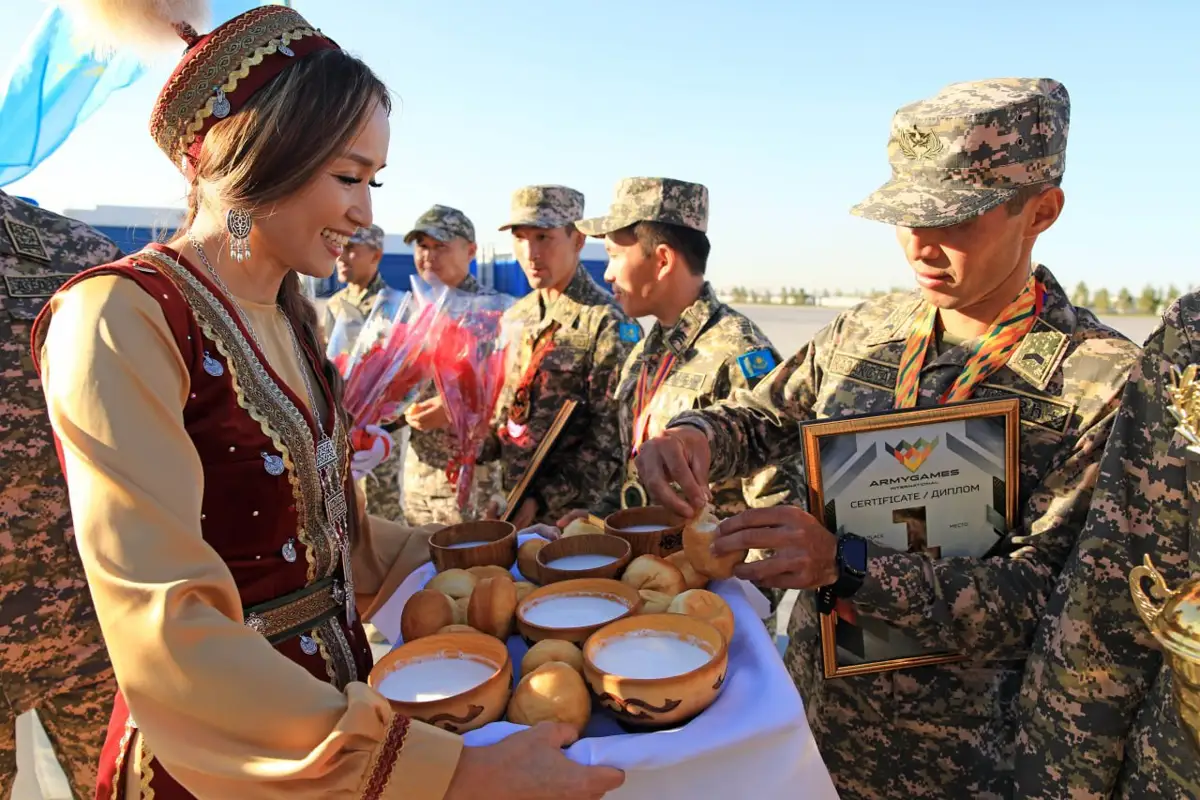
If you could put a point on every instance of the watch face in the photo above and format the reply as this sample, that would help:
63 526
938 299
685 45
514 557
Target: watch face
854 553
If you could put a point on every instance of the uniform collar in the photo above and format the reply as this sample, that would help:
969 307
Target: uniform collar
565 309
357 295
683 334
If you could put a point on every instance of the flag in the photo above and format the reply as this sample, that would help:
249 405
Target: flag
55 84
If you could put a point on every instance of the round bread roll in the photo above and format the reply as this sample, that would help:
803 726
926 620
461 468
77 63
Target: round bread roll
458 629
491 571
691 577
554 692
707 606
548 650
654 573
426 612
580 526
523 589
654 602
460 610
454 583
492 606
527 558
698 538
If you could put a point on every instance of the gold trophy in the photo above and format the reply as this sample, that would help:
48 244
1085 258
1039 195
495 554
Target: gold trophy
1176 622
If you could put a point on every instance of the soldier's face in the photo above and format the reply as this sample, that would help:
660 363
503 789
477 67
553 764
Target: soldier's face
449 262
548 256
632 272
358 264
959 267
307 231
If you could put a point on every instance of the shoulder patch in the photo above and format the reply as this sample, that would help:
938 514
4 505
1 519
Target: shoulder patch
756 363
630 332
26 240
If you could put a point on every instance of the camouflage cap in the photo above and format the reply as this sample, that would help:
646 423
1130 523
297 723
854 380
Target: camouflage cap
442 223
545 207
969 148
372 237
652 200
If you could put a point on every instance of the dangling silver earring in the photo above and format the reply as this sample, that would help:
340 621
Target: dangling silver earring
238 222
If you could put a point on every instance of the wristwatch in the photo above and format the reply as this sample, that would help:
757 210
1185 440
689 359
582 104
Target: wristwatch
852 570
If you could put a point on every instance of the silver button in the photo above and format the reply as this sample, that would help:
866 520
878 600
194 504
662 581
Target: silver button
272 464
212 366
289 551
308 645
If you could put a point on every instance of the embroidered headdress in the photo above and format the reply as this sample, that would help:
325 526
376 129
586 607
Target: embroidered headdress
219 71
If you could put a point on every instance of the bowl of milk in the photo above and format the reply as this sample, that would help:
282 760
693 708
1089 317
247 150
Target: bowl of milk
573 610
656 670
454 681
651 530
588 555
481 543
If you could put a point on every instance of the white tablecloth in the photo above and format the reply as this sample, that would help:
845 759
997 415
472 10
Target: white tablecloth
753 738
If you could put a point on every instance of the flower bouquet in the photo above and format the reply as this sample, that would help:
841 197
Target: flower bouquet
468 364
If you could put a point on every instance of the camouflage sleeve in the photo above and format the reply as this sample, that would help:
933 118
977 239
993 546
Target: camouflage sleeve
1094 661
772 485
990 607
753 429
599 457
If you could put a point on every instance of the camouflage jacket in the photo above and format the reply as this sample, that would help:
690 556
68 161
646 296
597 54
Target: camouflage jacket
352 300
428 453
47 621
954 723
594 339
1097 718
717 350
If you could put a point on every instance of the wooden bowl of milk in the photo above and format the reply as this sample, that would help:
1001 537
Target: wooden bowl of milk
656 670
588 555
573 610
481 543
455 681
652 530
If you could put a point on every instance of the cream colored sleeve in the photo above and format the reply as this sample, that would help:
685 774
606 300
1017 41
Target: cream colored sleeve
225 714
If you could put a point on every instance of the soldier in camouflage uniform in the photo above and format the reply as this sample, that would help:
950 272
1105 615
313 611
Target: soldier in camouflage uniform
699 350
444 245
573 339
974 183
1097 717
52 655
358 267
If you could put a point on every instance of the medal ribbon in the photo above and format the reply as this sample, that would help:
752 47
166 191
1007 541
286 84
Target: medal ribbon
646 390
990 354
519 412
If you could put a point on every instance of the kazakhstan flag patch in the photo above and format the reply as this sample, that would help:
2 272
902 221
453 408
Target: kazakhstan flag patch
630 332
756 363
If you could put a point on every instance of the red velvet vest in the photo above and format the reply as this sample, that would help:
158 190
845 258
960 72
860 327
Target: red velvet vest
262 508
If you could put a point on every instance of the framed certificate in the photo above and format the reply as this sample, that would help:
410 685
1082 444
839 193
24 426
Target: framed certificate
941 481
513 501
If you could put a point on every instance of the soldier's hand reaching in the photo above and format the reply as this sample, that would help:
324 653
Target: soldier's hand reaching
679 455
805 554
428 415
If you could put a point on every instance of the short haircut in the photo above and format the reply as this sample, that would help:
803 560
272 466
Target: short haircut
1016 204
690 243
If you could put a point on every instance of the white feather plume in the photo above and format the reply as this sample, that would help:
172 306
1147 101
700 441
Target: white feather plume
143 26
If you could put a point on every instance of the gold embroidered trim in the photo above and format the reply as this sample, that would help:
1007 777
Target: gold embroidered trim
267 404
307 609
122 748
330 636
144 759
243 69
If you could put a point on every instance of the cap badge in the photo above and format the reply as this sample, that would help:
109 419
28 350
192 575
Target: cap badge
918 146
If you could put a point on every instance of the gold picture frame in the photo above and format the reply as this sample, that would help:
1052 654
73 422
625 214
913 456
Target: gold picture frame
512 502
845 452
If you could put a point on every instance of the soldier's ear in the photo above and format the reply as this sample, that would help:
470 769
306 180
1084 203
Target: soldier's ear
666 261
1045 210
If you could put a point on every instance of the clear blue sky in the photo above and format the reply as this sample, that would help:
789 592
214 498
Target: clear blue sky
781 108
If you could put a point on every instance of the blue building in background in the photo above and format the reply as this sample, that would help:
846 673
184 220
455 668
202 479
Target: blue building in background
133 228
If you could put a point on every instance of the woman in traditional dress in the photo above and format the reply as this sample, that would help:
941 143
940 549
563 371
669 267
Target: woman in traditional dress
208 465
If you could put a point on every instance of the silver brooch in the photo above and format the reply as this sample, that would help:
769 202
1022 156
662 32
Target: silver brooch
272 464
212 366
221 107
308 645
256 623
289 551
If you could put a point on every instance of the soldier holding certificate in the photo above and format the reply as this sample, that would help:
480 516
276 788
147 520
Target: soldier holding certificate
975 181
